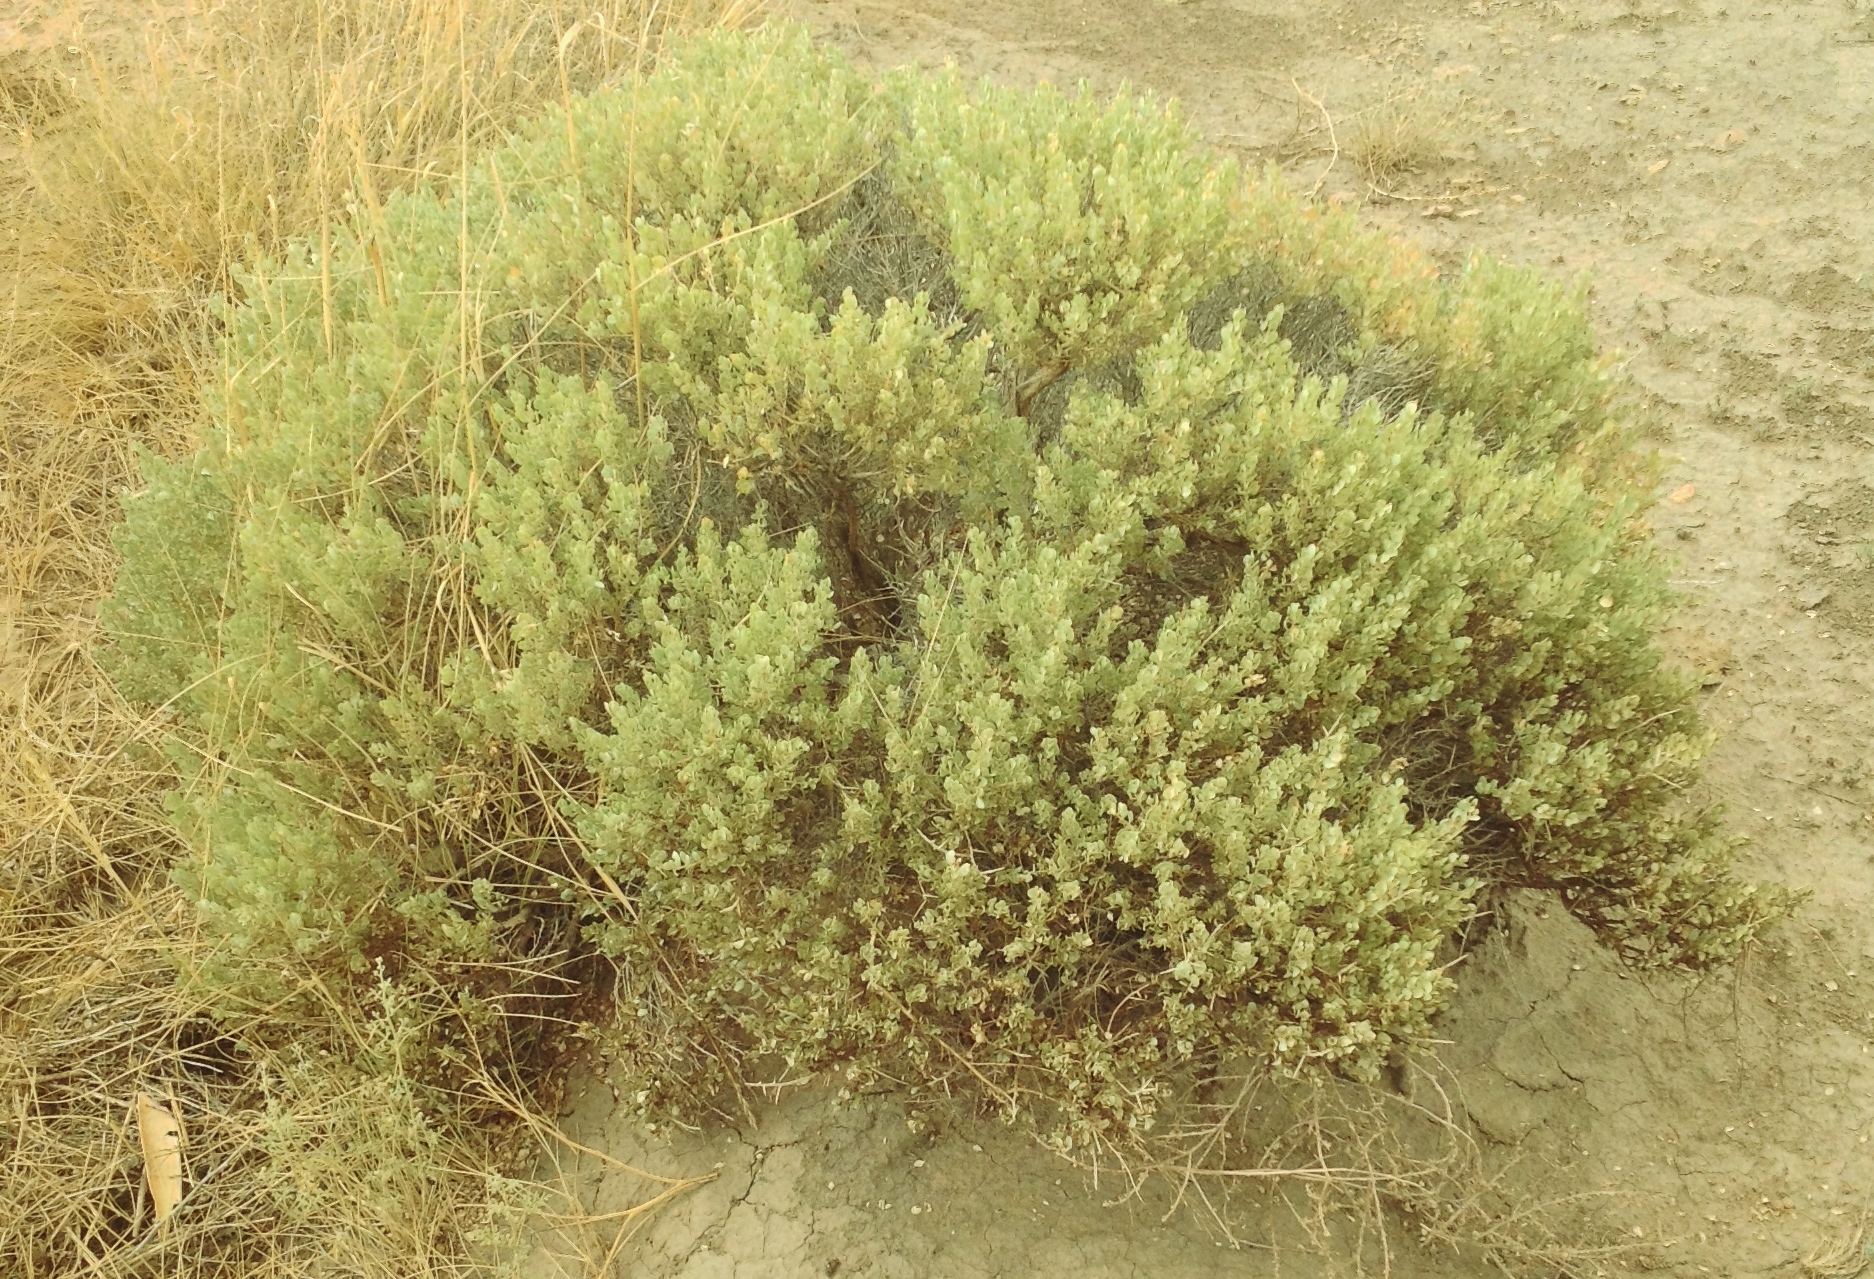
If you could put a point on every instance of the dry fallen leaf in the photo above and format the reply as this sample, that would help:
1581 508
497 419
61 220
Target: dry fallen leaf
1684 493
161 1137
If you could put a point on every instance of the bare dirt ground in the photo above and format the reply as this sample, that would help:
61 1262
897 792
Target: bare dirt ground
37 26
1710 165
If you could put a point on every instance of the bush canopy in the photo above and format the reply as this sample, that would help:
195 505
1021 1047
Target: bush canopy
945 582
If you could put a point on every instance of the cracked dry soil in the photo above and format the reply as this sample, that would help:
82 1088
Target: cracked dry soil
824 1188
1710 165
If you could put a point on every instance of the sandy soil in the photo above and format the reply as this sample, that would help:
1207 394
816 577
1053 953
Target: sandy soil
1711 166
36 26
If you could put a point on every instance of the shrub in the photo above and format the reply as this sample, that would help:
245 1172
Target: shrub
929 580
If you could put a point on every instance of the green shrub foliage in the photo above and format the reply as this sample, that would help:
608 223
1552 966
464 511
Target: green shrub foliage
945 582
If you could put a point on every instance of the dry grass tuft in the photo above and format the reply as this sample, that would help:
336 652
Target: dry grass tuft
1843 1257
137 170
1404 136
1401 136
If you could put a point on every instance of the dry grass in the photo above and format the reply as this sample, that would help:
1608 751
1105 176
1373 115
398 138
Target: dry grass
137 170
1400 138
1398 141
1843 1257
1357 1166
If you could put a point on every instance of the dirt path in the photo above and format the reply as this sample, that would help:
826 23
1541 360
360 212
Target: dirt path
1711 166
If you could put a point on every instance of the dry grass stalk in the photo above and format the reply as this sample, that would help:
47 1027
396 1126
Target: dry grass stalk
135 176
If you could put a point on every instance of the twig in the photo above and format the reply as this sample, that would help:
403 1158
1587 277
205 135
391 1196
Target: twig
1382 192
1331 136
1809 786
1000 1094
